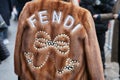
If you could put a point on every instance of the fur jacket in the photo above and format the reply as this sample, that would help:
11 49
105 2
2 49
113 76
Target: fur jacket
56 40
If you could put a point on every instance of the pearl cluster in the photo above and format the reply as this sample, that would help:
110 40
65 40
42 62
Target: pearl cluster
69 66
60 43
29 59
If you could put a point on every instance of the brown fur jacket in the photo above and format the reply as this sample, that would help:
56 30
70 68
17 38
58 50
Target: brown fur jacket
56 40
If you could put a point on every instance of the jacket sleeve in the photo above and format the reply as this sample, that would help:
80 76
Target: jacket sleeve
92 51
18 44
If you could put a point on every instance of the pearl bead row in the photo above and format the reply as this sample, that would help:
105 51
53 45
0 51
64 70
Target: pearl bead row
61 52
62 43
42 43
29 57
42 40
70 66
62 35
71 62
57 48
43 33
30 60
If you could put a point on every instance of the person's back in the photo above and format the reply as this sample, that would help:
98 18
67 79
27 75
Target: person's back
56 40
97 7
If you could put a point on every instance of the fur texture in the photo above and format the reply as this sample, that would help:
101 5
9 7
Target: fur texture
82 59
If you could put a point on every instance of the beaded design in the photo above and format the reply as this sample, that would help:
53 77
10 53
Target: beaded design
60 43
69 67
29 59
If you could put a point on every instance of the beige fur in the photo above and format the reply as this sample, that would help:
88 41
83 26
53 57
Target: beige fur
80 41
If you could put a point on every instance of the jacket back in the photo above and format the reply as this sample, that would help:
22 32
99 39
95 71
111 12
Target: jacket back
56 40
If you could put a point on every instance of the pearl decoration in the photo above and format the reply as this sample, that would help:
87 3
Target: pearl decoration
43 41
29 59
60 44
